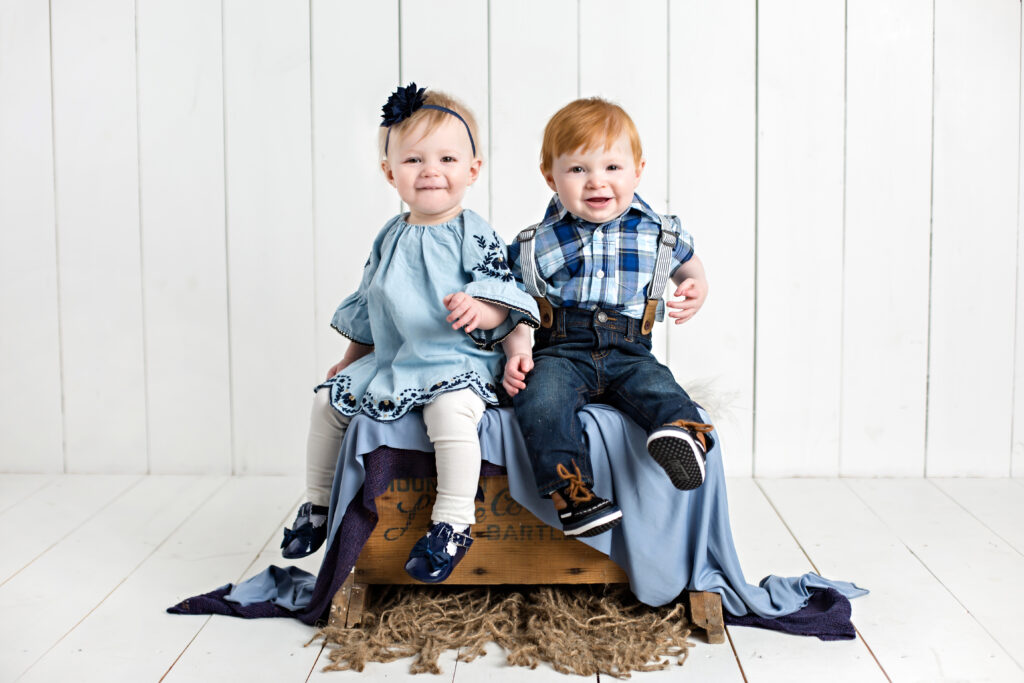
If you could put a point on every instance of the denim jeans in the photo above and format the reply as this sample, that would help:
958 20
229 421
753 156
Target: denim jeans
591 357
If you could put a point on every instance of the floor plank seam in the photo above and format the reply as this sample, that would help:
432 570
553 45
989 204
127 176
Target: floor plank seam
71 531
980 521
316 661
240 576
270 539
785 524
872 652
455 666
185 649
12 504
942 583
736 654
122 581
800 545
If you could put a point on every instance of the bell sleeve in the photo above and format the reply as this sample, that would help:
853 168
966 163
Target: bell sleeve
485 261
352 318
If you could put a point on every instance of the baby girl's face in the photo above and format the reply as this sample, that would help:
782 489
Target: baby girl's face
596 184
432 172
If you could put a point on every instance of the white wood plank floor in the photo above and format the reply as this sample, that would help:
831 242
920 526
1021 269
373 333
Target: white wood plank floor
89 563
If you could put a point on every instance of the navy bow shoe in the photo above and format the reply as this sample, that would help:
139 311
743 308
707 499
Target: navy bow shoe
305 537
429 560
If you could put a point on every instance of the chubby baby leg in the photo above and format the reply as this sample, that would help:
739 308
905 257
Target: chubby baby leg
451 422
326 432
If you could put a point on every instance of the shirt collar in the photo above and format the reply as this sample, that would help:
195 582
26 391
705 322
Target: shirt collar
557 213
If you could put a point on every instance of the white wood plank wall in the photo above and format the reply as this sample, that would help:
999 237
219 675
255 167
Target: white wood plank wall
187 189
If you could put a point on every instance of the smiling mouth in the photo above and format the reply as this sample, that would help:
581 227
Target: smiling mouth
598 201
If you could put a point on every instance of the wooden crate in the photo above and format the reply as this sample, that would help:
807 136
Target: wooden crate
510 545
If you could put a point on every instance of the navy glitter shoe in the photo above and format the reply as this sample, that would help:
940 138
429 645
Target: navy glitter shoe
430 560
305 537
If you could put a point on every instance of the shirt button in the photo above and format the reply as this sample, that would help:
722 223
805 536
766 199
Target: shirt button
599 274
602 317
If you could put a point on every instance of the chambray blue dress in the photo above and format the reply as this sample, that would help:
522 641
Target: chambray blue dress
398 310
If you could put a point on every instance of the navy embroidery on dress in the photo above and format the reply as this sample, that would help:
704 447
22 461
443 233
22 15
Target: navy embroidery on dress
385 409
494 264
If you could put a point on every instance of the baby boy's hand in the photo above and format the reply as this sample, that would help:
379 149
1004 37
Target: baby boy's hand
516 369
695 292
465 311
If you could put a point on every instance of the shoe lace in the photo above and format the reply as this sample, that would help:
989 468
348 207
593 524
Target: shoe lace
696 427
576 490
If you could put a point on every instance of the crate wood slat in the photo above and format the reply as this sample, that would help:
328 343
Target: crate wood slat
510 545
706 613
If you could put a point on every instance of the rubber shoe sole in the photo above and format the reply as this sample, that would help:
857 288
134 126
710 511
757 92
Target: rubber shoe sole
597 525
680 455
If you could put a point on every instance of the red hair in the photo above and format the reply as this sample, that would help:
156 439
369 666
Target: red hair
585 124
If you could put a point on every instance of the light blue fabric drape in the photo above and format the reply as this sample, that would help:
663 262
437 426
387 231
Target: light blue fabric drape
669 540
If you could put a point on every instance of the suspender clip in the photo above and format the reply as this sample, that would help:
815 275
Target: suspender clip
547 313
650 311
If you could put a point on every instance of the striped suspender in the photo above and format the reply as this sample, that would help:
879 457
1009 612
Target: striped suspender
535 286
656 289
534 283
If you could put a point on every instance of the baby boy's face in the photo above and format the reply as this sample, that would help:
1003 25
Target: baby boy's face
596 184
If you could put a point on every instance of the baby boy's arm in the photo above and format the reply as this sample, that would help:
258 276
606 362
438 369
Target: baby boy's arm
692 284
518 350
472 313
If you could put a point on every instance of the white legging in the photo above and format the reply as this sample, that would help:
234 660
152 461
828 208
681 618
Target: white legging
451 426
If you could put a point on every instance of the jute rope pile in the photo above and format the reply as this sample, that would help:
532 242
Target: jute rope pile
580 630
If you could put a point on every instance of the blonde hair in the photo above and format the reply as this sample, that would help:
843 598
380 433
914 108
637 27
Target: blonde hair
587 123
433 118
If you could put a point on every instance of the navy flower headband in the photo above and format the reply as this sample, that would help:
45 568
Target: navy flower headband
406 101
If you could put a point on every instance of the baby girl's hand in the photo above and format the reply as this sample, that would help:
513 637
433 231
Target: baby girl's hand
465 311
338 367
516 368
695 292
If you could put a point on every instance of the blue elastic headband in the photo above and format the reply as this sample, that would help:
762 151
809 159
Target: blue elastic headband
404 102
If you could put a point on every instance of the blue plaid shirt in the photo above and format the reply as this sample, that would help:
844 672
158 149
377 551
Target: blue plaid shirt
607 266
